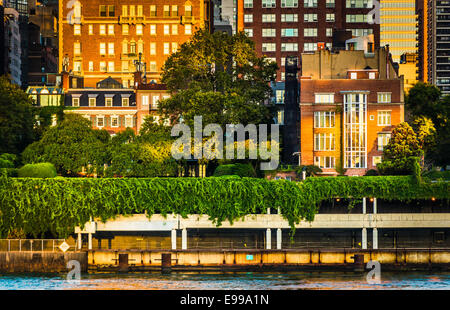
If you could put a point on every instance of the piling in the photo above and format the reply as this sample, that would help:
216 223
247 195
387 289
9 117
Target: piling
166 262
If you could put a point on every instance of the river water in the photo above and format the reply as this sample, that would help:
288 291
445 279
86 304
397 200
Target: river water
228 281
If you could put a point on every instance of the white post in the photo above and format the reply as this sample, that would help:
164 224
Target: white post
279 238
374 206
89 241
268 239
364 238
375 238
268 210
364 206
174 239
184 239
303 175
80 242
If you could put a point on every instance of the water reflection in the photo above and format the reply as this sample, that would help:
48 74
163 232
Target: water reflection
228 281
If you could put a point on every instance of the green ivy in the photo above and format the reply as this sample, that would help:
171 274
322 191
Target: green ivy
59 204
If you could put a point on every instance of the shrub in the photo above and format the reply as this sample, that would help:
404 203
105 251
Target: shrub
6 163
242 170
10 172
371 172
41 170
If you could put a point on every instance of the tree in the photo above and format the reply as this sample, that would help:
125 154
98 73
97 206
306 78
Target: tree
426 132
17 120
423 100
219 77
70 146
398 154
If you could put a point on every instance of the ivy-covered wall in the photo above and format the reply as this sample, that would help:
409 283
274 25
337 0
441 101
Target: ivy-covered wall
57 205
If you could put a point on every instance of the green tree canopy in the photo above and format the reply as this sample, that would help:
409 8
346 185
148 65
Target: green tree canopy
16 118
70 145
219 77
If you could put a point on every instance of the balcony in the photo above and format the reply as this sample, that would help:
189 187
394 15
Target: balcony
131 19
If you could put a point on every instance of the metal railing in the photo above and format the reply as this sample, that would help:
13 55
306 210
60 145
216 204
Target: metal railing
34 245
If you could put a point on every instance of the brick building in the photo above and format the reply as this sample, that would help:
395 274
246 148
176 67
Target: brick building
283 28
349 103
98 39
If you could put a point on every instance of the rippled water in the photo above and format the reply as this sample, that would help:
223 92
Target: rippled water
227 281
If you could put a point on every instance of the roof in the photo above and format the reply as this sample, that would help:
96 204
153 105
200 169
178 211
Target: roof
109 83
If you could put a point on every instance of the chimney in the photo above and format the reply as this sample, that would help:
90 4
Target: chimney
387 61
65 80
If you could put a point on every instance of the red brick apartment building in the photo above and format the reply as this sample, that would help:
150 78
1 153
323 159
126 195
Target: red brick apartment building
283 28
98 39
349 103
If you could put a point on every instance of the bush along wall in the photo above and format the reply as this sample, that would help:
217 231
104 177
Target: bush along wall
57 205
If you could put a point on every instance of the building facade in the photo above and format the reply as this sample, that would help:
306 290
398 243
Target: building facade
283 28
98 39
349 103
13 52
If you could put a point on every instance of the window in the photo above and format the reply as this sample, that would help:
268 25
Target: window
132 47
103 66
248 18
310 32
153 29
91 29
108 102
310 3
324 98
289 47
166 49
140 11
76 101
155 101
279 96
153 66
166 11
289 32
289 18
114 121
91 66
77 48
103 29
103 10
100 121
111 10
144 99
372 75
174 47
152 48
324 119
310 18
249 32
359 3
102 48
326 162
309 47
125 102
384 118
280 117
152 10
289 3
174 10
268 47
330 4
383 140
188 29
124 10
139 28
188 10
376 160
125 47
175 29
140 47
166 29
384 97
110 48
128 121
329 32
268 3
92 102
324 142
330 17
77 29
268 18
248 3
132 10
355 130
353 75
125 65
110 66
268 32
111 29
125 29
356 18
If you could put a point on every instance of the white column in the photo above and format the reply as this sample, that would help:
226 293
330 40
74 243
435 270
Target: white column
268 210
80 242
268 239
364 238
174 239
279 239
89 241
184 239
374 206
364 206
375 238
303 175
